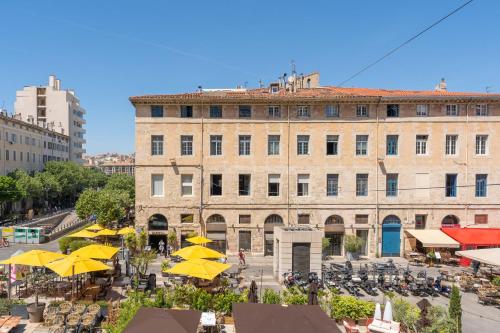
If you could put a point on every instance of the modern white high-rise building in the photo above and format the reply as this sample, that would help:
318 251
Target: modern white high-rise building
55 109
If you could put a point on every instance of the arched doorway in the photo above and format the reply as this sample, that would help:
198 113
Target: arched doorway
450 221
269 224
216 231
391 236
334 231
157 230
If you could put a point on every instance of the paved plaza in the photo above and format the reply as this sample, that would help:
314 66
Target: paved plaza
476 317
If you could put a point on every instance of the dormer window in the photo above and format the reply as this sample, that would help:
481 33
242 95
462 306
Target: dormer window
275 87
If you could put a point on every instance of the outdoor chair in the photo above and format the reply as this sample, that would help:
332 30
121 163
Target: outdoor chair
350 326
79 308
88 322
65 308
72 321
94 308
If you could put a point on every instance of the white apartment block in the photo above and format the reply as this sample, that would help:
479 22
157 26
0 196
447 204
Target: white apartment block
56 109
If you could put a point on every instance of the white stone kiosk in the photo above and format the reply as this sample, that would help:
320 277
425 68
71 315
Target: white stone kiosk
296 248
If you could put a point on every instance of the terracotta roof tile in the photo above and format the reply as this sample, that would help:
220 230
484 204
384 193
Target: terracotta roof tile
320 93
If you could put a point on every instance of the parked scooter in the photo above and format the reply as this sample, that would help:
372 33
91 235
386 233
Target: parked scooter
441 289
369 286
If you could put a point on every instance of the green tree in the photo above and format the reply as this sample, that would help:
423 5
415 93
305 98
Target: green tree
93 178
51 188
70 176
440 321
110 206
87 204
29 187
9 190
122 182
455 308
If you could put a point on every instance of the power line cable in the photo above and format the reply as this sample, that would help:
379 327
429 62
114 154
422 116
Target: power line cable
403 44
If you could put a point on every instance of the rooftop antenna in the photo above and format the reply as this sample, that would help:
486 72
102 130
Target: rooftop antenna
245 84
261 84
293 67
488 89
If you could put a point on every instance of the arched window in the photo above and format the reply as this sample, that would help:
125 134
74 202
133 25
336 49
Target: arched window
216 218
334 219
273 219
157 222
450 221
391 219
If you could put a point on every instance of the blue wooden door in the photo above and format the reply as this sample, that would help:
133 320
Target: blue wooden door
391 239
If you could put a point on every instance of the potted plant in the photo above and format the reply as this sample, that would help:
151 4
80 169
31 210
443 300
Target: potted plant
18 308
431 256
352 246
165 264
35 309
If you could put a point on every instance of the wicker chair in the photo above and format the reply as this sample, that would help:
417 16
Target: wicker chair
65 308
94 308
72 321
79 308
88 322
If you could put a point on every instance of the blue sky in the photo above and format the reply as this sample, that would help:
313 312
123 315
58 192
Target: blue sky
110 50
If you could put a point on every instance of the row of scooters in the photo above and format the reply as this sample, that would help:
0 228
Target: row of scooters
379 278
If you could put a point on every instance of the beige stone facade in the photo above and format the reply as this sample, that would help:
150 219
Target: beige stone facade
26 146
471 122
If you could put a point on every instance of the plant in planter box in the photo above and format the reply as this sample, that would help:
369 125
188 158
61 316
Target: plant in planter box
406 313
352 246
294 295
271 297
223 302
350 307
35 310
165 264
201 300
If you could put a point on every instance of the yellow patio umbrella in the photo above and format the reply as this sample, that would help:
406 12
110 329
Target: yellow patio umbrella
83 234
199 268
74 265
106 232
197 252
34 258
96 251
94 227
126 231
199 240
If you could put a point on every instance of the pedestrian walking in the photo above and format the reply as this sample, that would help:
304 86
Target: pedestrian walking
161 246
241 256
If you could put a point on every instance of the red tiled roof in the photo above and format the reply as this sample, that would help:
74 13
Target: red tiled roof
474 236
320 92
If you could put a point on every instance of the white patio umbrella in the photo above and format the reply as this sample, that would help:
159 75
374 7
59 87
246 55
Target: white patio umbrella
378 312
388 311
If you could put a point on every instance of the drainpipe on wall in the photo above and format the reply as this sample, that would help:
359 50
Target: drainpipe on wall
203 230
377 225
288 166
467 108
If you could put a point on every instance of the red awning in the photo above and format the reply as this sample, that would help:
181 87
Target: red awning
474 236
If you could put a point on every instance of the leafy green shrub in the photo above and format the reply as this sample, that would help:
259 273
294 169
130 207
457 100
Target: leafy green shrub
7 304
223 302
440 321
294 295
163 298
271 297
64 244
200 300
128 310
77 244
496 281
406 313
353 243
351 307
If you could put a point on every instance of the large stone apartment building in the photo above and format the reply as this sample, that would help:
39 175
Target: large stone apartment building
233 163
27 146
55 108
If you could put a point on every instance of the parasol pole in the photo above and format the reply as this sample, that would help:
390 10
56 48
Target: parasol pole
9 283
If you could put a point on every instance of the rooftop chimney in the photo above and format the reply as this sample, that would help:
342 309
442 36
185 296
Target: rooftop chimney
441 85
52 81
58 84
